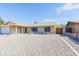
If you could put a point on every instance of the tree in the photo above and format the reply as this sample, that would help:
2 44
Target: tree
1 21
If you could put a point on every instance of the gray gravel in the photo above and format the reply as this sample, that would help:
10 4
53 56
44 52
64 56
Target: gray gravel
72 42
33 45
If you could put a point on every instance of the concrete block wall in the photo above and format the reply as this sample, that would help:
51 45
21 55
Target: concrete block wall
73 35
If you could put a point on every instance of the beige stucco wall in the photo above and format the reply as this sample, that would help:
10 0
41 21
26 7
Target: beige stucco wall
53 30
76 28
29 30
19 29
41 30
12 30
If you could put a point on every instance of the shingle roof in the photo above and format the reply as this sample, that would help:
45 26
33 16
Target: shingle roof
9 23
74 21
33 24
40 24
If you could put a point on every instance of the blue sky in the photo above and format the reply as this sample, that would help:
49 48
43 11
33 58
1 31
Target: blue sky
30 12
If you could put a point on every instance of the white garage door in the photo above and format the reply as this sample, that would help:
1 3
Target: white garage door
5 30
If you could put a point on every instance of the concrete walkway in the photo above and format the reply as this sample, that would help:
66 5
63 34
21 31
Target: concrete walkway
34 45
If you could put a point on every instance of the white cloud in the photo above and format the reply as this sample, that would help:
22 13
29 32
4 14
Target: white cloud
67 7
49 20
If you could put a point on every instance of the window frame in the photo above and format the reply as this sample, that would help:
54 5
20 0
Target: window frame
47 29
34 29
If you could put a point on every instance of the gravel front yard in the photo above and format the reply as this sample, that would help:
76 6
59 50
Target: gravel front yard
33 45
72 42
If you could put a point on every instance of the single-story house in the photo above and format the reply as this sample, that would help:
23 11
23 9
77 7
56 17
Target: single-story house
37 28
72 27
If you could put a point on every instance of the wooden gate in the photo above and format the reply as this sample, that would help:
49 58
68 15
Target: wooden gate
59 30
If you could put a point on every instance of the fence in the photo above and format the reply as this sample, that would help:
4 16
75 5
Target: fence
73 35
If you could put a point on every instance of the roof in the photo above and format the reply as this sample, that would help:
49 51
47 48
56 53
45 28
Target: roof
58 26
40 24
71 23
43 24
9 23
76 20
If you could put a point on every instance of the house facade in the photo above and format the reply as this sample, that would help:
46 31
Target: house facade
72 27
36 28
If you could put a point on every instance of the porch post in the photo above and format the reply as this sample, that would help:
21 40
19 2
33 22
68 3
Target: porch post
22 30
16 29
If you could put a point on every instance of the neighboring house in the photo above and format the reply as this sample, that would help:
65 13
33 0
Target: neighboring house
37 28
72 27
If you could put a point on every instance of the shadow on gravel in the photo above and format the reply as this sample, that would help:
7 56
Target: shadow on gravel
75 40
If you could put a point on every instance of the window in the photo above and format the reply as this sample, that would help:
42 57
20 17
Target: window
47 29
34 29
69 30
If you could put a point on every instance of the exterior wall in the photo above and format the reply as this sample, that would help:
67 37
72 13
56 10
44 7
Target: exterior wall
18 29
40 30
76 28
75 31
29 30
64 30
12 30
53 29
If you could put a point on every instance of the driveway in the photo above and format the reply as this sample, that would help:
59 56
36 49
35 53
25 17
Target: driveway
73 42
35 45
